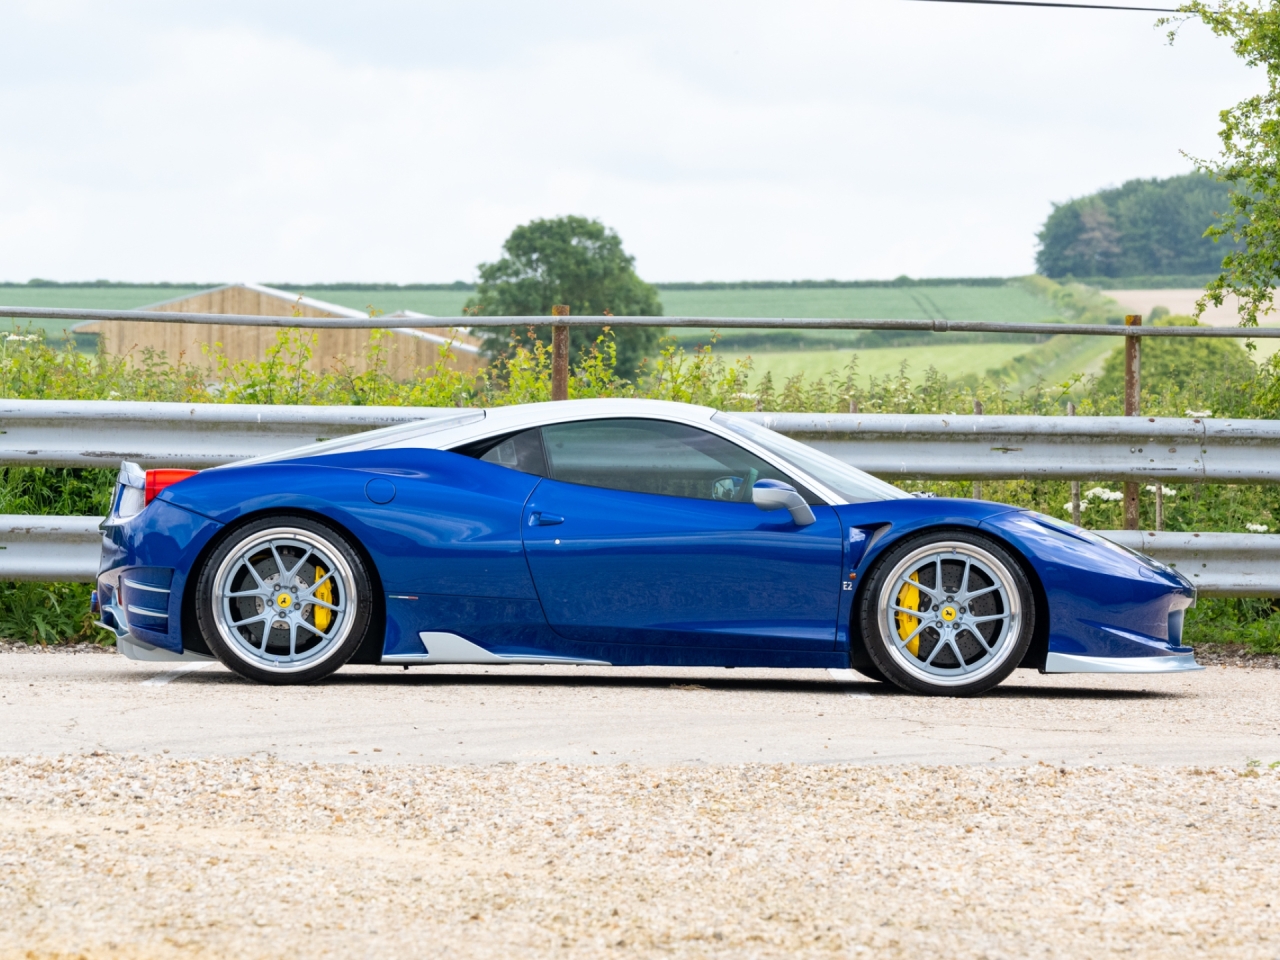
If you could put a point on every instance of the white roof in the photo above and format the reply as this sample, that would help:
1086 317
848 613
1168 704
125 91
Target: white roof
337 310
450 430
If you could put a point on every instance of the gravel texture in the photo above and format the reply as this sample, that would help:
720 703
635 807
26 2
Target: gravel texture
12 646
1234 655
151 856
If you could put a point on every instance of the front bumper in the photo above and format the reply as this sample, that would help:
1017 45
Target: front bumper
1075 663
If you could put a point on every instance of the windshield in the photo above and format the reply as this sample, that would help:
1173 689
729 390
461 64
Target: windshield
849 482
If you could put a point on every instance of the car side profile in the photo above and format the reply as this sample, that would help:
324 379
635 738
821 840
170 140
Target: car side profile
613 532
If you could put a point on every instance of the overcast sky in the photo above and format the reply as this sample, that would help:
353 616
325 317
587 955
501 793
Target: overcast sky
401 142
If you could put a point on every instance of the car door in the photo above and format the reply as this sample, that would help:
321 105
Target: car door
643 532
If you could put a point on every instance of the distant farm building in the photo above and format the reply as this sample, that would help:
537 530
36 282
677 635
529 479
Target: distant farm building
408 349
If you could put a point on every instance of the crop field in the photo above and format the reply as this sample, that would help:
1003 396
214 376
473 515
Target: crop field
885 361
1008 303
814 354
782 353
817 352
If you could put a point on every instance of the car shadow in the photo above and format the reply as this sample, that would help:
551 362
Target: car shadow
830 687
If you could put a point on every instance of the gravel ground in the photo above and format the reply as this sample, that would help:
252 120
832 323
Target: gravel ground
12 646
1234 655
150 856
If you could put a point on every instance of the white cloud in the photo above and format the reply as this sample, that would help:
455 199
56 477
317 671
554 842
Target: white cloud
404 141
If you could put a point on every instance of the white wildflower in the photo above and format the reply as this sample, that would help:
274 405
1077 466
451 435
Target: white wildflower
13 336
1083 506
1167 491
1256 527
1199 413
1102 493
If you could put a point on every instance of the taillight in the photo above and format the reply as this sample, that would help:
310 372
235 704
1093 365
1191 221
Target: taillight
157 480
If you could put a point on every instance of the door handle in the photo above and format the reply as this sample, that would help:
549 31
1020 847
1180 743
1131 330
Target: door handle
539 519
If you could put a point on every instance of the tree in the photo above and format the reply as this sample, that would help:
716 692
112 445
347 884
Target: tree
1180 363
1141 228
574 261
1250 159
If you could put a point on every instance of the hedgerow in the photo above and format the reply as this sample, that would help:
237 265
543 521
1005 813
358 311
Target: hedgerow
1200 378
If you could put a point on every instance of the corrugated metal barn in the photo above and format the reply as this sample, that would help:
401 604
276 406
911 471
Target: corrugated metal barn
409 350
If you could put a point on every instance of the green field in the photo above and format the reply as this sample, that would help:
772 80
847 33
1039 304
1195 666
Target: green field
1010 302
1003 304
957 360
880 362
812 353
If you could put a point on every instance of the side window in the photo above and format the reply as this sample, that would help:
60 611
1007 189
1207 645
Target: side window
654 456
520 451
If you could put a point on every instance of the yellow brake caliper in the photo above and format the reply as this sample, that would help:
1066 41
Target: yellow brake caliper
324 593
909 597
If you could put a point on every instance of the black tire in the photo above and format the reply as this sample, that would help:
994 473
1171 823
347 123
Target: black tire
860 661
970 635
284 600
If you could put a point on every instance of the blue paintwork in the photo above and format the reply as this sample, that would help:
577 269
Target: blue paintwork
469 547
1106 601
158 548
673 571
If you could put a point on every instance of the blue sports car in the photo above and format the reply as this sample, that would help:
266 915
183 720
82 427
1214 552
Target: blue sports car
618 532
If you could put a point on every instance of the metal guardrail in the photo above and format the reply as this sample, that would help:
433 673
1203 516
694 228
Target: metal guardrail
50 549
927 446
101 433
719 323
66 549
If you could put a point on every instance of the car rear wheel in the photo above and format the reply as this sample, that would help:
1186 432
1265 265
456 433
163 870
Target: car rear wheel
948 613
284 600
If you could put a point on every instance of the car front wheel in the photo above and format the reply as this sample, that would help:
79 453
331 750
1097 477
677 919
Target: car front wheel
284 600
948 613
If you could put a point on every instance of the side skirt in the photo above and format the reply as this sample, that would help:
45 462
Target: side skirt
451 648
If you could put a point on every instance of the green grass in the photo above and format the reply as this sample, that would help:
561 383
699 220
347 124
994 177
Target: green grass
1008 303
955 361
959 355
1012 302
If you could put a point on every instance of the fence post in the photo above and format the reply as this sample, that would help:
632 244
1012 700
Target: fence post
977 484
560 355
1132 401
1075 484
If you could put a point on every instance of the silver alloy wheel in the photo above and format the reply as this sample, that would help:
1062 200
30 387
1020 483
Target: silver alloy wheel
951 613
284 600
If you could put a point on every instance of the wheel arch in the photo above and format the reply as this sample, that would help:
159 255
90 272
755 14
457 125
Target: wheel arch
370 650
1038 650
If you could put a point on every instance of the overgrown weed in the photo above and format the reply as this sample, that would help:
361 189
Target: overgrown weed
30 367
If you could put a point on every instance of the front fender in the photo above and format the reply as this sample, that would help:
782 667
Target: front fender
1104 601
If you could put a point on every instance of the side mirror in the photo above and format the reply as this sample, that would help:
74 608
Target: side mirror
776 495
